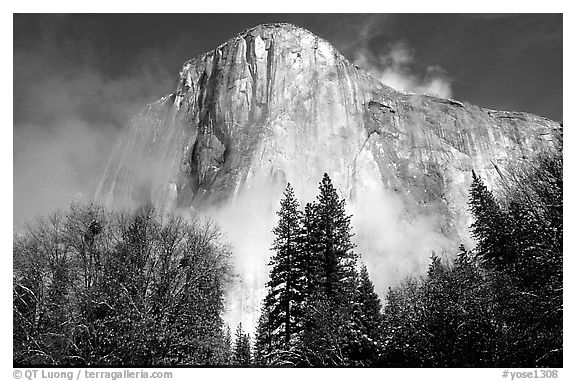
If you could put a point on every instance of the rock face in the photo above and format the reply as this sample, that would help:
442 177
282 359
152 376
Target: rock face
277 104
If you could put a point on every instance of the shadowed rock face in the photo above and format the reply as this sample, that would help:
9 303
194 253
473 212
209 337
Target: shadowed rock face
277 104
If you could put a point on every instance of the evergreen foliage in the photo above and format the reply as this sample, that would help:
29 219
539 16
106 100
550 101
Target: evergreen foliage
497 305
263 346
314 267
331 236
365 337
93 288
490 225
284 299
242 353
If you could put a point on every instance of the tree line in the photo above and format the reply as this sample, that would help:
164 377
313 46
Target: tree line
98 288
319 309
136 288
497 305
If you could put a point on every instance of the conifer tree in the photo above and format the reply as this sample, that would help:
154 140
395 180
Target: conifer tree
491 225
242 353
263 340
368 303
282 312
333 246
308 258
284 287
477 337
227 346
438 296
367 322
463 257
330 279
435 268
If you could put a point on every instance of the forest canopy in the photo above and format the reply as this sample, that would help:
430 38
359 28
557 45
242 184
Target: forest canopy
138 288
496 305
101 288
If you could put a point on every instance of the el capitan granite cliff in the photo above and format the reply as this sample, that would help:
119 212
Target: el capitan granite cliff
277 104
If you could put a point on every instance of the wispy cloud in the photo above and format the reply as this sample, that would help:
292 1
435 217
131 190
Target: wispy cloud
67 114
396 67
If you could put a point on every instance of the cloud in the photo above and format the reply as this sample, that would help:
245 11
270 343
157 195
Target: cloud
251 243
394 236
396 67
68 112
53 166
393 245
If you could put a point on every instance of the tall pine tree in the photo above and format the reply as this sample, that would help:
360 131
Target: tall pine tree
242 353
491 226
227 346
330 278
308 257
332 244
365 342
263 347
285 288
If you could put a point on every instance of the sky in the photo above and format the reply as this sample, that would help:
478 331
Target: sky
78 79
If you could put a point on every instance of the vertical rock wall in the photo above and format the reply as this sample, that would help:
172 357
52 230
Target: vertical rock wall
278 104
